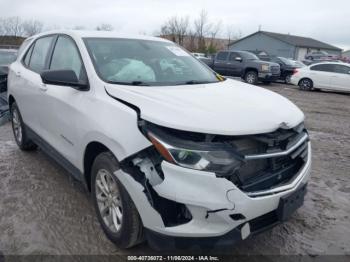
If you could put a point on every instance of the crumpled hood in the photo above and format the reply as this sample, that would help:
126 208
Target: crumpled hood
227 108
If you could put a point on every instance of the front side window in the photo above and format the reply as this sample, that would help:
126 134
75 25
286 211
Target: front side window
145 62
233 56
66 57
342 69
38 58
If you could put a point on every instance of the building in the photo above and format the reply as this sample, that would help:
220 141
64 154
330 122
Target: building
11 42
284 45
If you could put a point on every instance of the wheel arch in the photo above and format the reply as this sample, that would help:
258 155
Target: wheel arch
308 78
11 100
248 69
92 150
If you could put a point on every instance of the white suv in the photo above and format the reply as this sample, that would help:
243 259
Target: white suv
170 151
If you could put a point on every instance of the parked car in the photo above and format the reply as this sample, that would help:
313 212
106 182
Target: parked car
245 65
7 56
169 152
287 67
321 56
327 75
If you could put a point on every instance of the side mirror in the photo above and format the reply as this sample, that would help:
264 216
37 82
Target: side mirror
239 59
63 78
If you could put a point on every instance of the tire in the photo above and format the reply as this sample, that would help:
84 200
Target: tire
306 84
115 210
287 79
251 77
19 130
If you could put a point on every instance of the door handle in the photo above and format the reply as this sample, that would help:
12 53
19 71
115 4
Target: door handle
43 87
18 74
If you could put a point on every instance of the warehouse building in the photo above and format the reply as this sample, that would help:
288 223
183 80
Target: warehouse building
284 45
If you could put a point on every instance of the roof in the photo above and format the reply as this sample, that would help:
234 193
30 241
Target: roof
294 40
101 34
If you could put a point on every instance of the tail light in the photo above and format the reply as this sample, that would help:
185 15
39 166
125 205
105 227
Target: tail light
295 71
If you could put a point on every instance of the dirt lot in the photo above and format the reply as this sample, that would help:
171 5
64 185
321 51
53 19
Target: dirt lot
43 211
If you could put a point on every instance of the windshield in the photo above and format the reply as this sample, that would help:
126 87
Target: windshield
286 61
7 58
249 56
145 62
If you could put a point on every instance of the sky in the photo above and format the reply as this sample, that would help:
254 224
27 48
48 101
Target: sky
324 20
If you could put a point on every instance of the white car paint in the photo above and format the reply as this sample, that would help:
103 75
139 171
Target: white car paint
69 120
328 80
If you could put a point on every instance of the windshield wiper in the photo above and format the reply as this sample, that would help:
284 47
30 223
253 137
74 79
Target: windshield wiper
196 82
132 83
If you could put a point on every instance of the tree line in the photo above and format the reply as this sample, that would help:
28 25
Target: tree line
17 27
198 35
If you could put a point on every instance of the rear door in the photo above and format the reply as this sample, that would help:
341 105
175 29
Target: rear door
28 83
220 63
341 78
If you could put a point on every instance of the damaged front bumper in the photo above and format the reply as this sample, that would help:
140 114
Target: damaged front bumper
220 211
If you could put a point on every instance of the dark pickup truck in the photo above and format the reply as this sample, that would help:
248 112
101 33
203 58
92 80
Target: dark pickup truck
245 65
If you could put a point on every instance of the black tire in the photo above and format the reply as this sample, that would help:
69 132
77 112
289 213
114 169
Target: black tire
19 130
306 84
251 77
130 232
287 79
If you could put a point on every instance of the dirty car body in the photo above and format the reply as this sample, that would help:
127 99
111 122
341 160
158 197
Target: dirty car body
204 160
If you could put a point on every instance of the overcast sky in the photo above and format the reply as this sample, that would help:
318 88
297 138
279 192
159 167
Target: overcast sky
325 20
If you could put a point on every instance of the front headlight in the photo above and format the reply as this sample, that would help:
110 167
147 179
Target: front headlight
265 68
219 159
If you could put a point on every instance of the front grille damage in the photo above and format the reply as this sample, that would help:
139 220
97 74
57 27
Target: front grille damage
265 167
264 164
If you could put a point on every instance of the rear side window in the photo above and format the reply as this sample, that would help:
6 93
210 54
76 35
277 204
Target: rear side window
66 57
222 56
39 54
323 68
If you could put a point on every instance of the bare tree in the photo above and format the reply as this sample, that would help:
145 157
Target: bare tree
104 27
32 27
175 28
202 26
232 34
12 26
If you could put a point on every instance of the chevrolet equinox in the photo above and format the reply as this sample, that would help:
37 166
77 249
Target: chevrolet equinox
171 152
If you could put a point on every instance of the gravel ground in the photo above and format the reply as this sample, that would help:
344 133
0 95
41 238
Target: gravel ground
44 211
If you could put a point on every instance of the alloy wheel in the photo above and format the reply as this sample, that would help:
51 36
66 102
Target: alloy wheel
17 127
250 78
305 84
109 200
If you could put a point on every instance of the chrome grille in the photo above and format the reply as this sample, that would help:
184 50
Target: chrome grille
271 159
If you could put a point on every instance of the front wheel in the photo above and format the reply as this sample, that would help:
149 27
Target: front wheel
115 210
251 77
306 84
